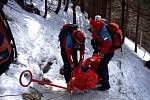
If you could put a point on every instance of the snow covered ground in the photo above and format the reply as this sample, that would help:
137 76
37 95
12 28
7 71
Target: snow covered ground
37 43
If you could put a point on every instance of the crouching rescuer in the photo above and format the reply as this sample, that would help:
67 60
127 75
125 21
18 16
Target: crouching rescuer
71 41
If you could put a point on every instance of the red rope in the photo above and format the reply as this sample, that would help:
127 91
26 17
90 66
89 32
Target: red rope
33 80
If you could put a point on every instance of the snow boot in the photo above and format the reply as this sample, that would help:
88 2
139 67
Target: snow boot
104 87
61 70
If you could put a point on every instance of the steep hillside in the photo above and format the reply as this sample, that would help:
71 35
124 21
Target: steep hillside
37 44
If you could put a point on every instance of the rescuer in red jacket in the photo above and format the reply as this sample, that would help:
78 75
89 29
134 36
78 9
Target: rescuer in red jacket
101 42
73 42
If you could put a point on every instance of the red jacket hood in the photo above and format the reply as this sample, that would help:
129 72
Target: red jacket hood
96 25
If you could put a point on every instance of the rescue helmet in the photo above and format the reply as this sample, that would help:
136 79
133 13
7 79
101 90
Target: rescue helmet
78 36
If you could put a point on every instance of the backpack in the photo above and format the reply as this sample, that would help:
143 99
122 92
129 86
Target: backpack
64 31
116 35
6 48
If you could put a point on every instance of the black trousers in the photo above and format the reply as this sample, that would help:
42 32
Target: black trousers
67 65
5 66
103 69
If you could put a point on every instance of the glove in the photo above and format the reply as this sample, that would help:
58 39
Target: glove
93 43
72 66
101 55
80 63
90 30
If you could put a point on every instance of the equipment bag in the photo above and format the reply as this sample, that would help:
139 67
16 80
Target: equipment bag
5 46
65 30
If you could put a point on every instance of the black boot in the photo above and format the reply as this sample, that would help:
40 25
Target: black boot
104 87
3 69
99 84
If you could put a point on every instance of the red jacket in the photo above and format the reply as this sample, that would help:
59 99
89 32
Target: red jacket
84 76
101 36
69 44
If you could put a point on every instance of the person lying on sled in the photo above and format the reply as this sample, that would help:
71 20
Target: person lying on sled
84 76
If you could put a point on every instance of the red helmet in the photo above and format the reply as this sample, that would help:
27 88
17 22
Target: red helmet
78 36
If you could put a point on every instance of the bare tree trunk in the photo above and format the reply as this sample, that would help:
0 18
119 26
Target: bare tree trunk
97 7
82 5
109 10
126 30
45 9
67 5
93 9
58 7
64 2
74 12
141 36
137 27
123 19
104 8
122 16
75 2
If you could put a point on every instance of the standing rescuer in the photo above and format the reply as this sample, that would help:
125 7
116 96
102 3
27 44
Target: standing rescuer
101 42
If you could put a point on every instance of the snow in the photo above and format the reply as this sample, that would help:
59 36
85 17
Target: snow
141 53
37 43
